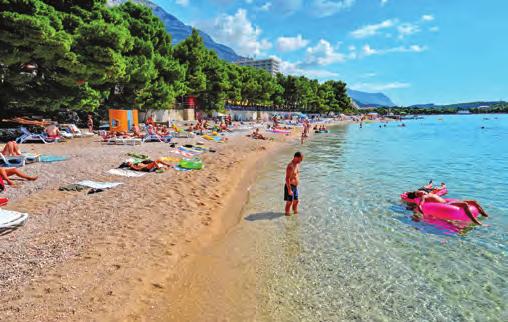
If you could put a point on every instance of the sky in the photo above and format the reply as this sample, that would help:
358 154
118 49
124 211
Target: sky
415 51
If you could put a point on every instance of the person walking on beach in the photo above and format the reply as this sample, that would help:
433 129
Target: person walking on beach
89 123
291 184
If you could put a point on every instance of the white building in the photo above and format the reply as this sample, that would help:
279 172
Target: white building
270 65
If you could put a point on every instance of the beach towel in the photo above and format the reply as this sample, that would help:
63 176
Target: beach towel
73 187
180 152
189 150
52 158
99 185
138 156
3 202
178 168
10 220
126 173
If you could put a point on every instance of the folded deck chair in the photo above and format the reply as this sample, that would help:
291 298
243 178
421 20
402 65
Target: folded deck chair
11 220
29 136
12 161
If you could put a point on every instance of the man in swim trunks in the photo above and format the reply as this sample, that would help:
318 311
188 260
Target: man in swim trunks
291 183
430 197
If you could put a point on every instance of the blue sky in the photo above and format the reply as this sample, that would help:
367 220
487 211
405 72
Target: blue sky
415 51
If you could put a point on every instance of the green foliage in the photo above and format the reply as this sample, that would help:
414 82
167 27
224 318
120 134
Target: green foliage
85 55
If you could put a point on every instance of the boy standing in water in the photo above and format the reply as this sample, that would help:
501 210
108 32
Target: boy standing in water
291 183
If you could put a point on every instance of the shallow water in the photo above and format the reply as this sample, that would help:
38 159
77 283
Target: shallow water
354 252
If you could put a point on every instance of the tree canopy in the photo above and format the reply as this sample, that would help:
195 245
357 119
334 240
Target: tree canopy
85 55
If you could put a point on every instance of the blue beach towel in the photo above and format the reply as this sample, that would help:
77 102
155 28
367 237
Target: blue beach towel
178 168
52 158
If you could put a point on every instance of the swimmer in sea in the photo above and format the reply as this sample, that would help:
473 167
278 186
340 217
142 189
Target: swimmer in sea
291 184
430 197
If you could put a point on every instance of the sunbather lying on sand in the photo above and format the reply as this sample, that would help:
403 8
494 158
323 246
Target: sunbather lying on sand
11 149
258 136
146 165
5 173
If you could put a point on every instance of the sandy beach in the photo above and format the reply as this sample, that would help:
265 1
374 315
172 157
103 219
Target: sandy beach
111 255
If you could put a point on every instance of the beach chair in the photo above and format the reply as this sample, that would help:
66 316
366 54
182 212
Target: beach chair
12 161
152 138
29 136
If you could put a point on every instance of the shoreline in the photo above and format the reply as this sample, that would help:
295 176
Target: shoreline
91 273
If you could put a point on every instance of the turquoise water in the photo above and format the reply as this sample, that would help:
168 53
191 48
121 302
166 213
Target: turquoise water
355 253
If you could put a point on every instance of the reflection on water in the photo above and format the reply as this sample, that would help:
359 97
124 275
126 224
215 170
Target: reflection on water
356 253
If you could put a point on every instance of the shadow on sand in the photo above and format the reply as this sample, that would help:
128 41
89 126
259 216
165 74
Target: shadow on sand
264 216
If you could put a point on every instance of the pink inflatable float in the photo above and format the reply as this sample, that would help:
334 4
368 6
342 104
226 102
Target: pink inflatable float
440 193
443 211
448 211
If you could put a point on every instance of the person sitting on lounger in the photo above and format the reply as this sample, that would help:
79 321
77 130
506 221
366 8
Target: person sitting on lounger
11 149
464 204
136 132
52 131
5 173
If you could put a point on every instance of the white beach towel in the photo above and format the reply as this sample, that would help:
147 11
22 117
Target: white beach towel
99 185
11 219
126 173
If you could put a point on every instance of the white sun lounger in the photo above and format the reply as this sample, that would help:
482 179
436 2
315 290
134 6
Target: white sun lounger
11 220
29 136
12 161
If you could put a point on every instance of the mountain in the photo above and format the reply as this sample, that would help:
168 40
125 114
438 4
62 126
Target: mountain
179 31
364 99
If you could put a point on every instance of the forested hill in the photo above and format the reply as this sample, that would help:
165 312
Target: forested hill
180 31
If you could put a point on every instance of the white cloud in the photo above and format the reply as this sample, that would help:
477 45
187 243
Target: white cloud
291 43
378 87
369 51
374 29
183 3
407 29
325 8
238 32
368 75
287 7
434 29
296 69
427 18
265 7
383 2
325 54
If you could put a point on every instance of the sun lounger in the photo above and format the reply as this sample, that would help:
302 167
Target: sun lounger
11 220
12 161
152 138
29 136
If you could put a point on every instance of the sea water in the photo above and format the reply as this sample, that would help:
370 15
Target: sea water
355 253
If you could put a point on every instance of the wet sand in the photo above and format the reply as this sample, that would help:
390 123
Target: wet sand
113 255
